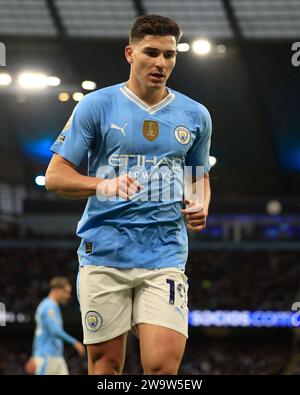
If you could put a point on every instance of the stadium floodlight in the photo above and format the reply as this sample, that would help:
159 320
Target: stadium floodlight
77 96
201 47
30 80
183 47
53 81
221 48
274 207
89 85
5 79
212 160
63 96
40 180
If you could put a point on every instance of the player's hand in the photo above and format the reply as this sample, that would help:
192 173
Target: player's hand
195 215
124 186
79 347
30 366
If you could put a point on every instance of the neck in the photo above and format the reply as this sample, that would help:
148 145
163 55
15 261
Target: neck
52 296
150 97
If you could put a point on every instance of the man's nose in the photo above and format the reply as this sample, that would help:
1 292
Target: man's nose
160 61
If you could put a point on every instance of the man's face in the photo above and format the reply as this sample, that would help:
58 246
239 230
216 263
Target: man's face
64 294
152 60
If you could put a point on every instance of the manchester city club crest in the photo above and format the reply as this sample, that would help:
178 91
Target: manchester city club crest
93 321
182 134
150 130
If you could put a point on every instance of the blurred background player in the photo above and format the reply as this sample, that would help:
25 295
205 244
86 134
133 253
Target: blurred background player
47 357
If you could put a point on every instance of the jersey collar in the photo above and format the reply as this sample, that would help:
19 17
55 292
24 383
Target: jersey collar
151 109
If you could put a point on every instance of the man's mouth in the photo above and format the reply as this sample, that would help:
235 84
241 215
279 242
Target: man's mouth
157 75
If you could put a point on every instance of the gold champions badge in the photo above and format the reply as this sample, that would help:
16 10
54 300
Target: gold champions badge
150 130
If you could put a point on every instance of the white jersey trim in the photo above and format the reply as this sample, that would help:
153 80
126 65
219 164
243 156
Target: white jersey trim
151 109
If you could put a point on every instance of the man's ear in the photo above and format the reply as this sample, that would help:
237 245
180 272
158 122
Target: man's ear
128 54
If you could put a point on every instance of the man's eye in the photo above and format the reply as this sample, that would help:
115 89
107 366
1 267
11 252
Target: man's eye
151 53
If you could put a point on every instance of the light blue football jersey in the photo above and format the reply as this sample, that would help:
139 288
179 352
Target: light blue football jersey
120 133
49 334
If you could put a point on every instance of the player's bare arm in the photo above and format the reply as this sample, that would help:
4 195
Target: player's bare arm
63 179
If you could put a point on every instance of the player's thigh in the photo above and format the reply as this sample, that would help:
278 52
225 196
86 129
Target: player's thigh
161 348
111 352
105 303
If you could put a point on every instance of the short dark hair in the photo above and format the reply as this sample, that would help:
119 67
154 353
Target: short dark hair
155 25
59 282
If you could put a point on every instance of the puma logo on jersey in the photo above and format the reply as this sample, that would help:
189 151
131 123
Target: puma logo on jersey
114 126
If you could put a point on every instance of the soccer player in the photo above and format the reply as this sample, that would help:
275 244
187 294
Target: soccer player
47 357
134 242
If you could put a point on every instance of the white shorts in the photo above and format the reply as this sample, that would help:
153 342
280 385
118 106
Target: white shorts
51 366
113 300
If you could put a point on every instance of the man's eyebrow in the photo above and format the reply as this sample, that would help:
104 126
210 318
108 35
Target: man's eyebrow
151 48
156 49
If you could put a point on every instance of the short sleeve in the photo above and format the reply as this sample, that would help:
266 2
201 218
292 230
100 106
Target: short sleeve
198 154
76 138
